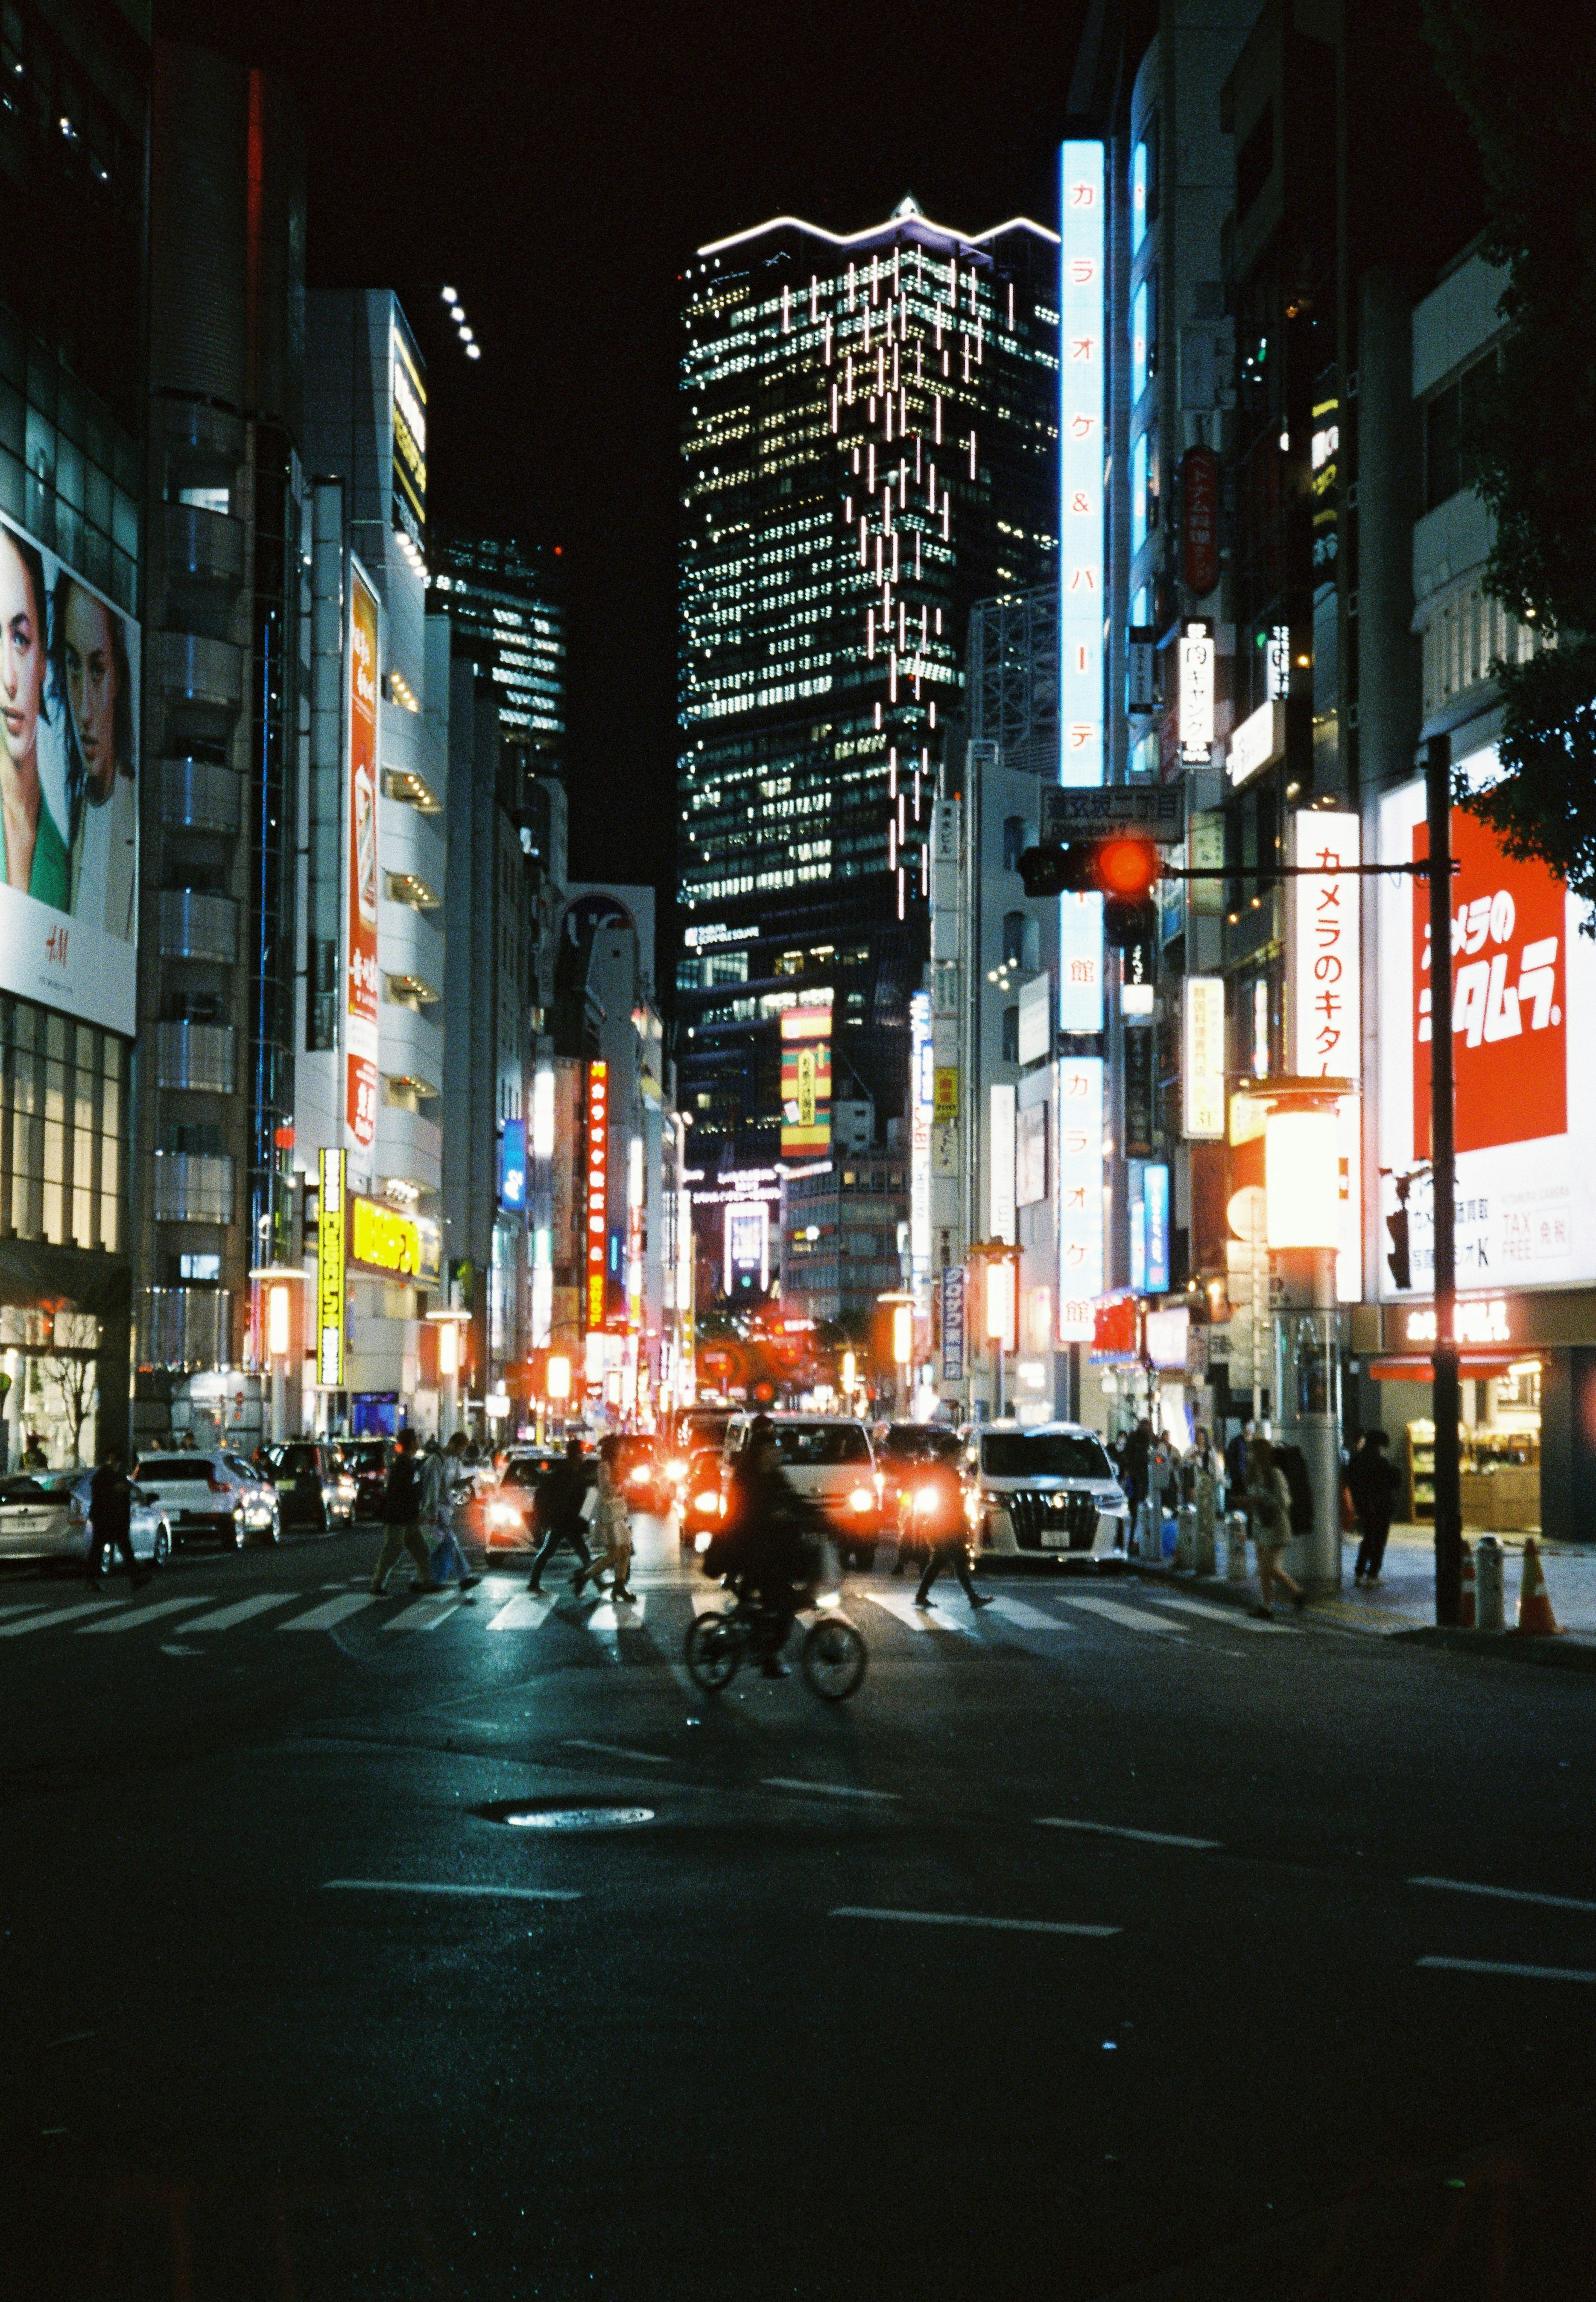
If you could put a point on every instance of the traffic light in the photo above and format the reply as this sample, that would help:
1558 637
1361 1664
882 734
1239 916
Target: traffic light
1397 1261
1123 868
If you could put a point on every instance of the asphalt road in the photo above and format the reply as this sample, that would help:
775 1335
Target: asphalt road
1087 1953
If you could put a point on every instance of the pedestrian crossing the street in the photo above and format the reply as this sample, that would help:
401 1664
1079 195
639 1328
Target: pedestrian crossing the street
651 1629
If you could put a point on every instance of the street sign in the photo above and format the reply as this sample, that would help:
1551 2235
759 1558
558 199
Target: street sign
1156 810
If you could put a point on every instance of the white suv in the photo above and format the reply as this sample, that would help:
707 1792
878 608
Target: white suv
1045 1489
217 1497
828 1459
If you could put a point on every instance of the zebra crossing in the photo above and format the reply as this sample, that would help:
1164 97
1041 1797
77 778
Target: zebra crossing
504 1611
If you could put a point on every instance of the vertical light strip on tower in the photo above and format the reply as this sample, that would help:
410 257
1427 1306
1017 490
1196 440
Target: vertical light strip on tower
1082 606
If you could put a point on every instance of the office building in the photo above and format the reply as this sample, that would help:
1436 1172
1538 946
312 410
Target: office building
74 95
869 445
505 603
226 510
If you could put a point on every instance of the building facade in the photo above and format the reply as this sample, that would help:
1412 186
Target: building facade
506 603
868 446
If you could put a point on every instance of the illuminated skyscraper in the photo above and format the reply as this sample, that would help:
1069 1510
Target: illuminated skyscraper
505 604
870 445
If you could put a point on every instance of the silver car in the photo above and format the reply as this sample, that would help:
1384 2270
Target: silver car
44 1515
1045 1489
217 1497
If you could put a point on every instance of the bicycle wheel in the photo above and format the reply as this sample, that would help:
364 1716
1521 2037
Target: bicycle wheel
714 1651
833 1660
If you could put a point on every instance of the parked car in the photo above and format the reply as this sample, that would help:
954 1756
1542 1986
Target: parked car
828 1457
366 1461
212 1498
1045 1489
313 1487
44 1516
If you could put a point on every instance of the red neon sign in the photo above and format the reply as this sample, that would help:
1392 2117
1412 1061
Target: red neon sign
598 1188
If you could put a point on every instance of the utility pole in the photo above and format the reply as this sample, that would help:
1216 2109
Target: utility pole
1447 1396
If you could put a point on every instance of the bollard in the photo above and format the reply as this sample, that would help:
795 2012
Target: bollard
1205 1560
1236 1547
1149 1541
1466 1599
1491 1607
1186 1539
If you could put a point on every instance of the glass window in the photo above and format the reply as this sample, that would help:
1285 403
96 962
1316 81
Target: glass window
1138 494
1138 196
1139 304
1043 1455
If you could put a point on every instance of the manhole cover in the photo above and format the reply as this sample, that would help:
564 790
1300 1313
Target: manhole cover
570 1817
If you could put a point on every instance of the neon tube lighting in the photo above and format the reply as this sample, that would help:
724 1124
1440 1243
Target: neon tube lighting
897 227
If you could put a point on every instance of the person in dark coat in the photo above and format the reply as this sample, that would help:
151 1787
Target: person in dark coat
1138 1456
1372 1481
769 1548
936 1506
559 1500
111 1516
1236 1466
401 1514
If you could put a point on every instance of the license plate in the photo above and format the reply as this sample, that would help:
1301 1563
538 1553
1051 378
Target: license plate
1056 1538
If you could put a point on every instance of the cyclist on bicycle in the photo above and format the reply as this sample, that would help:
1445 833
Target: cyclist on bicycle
767 1545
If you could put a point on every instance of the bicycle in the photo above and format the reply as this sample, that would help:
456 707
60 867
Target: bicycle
832 1657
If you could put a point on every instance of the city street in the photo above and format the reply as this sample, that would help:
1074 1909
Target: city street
1109 1943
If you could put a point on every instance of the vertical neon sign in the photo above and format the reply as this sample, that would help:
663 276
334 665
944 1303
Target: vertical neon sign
1082 607
597 1190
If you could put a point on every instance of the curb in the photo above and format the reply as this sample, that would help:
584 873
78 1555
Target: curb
1504 1646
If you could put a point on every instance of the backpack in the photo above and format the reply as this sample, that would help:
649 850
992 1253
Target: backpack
1291 1462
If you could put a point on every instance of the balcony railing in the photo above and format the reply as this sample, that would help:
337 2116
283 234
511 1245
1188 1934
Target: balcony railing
194 924
197 1055
193 1187
183 1327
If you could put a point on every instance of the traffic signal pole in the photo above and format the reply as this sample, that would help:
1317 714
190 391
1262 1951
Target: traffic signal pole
1447 1389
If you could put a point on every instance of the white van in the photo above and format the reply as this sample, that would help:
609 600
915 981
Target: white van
1045 1489
828 1459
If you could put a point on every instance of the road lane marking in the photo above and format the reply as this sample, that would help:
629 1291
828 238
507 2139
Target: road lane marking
330 1612
1233 1616
607 1619
24 1607
615 1751
919 1618
1505 1894
1506 1966
1129 1619
824 1790
1027 1616
962 1919
241 1612
524 1612
58 1615
1118 1830
133 1616
425 1615
435 1886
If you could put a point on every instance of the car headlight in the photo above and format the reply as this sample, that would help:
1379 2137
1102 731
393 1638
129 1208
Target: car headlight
925 1502
706 1503
861 1500
503 1515
638 1474
702 1541
678 1471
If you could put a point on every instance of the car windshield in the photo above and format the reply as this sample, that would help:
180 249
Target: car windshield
174 1466
367 1455
697 1430
296 1459
1043 1455
523 1471
24 1491
920 1442
633 1451
820 1446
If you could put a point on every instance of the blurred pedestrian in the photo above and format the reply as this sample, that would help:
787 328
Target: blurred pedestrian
1372 1481
110 1517
1236 1464
938 1508
559 1503
1268 1501
438 1520
34 1458
401 1517
611 1528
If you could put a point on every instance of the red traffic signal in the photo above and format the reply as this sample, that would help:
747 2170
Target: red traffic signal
1126 867
1123 867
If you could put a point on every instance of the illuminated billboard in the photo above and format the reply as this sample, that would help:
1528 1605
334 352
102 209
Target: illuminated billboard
68 828
1524 992
410 437
1082 285
806 1082
1079 1163
383 1240
597 1190
360 895
330 1280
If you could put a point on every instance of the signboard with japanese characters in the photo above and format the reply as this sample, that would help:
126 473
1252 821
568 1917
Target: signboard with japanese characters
1524 987
1083 283
1079 1165
1197 696
360 895
1324 937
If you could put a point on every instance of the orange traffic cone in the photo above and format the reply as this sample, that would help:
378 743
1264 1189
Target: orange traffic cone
1534 1601
1466 1605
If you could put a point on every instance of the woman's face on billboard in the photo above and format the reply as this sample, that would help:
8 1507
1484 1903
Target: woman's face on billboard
91 683
22 657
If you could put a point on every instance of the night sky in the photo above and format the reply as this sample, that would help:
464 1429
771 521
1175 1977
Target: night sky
557 167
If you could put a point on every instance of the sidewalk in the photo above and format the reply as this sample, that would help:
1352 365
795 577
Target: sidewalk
1404 1598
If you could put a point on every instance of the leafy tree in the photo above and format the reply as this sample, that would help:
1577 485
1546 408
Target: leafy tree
1525 78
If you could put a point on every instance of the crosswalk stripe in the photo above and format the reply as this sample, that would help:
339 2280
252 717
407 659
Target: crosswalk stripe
1027 1618
131 1618
331 1612
58 1615
524 1612
1233 1616
919 1619
242 1611
23 1606
1129 1619
425 1615
605 1618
